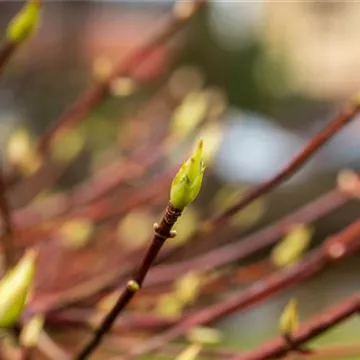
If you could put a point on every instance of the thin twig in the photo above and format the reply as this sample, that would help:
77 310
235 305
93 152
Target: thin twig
332 250
7 48
163 231
297 162
7 237
320 323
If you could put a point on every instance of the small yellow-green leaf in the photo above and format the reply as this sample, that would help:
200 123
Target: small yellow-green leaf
291 248
168 305
133 229
15 288
24 23
204 335
30 333
67 146
21 152
289 318
189 114
76 233
187 287
228 196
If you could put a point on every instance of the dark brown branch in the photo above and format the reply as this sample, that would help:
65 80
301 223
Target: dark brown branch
7 237
316 326
6 50
334 249
162 232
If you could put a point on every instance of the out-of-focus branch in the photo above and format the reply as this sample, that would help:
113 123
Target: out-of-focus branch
319 324
7 237
92 97
226 254
243 248
320 139
6 50
334 249
327 353
49 348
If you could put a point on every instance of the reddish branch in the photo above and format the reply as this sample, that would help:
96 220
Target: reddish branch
213 259
337 247
92 97
162 232
316 326
298 161
253 243
319 140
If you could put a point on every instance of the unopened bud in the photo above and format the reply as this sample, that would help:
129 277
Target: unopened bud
292 247
15 288
289 318
187 182
24 23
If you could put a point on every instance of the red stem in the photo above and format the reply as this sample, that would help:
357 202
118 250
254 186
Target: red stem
334 249
277 347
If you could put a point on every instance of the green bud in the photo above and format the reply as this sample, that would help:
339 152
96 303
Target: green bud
14 289
289 319
24 23
187 182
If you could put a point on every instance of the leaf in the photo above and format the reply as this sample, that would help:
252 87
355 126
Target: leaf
289 318
292 247
187 288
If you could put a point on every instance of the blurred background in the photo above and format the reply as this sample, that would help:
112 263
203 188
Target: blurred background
273 72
